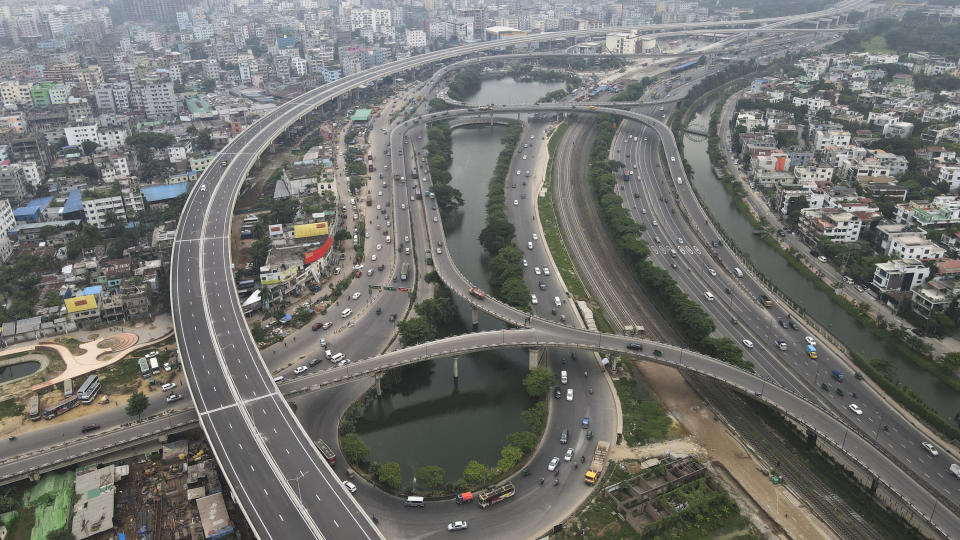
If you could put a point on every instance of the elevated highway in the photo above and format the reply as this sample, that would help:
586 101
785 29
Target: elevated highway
269 462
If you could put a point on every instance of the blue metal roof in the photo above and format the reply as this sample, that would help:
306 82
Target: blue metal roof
74 202
93 289
152 194
32 210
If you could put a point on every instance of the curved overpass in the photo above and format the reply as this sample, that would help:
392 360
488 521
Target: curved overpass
283 486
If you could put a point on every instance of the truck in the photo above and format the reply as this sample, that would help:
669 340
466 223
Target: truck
326 452
144 368
403 271
955 469
155 366
496 494
478 293
369 200
812 352
598 463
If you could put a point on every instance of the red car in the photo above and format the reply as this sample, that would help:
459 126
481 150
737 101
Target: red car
316 326
358 274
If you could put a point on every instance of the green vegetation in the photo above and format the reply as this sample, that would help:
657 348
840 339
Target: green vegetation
582 63
87 170
432 476
19 279
9 408
137 404
633 91
916 32
389 475
528 73
439 158
465 83
551 226
644 420
437 105
437 317
555 95
539 381
686 315
354 449
506 268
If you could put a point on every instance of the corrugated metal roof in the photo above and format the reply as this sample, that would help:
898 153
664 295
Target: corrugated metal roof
164 192
32 209
74 202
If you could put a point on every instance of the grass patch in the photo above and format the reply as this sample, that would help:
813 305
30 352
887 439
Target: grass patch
876 44
72 344
601 321
121 377
9 408
644 421
551 227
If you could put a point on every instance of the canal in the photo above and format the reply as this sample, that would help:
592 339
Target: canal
817 304
436 421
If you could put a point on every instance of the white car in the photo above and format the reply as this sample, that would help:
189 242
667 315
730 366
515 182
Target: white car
366 235
379 247
457 526
299 370
811 341
174 397
537 271
712 272
518 172
524 263
373 258
546 271
351 487
436 219
930 448
167 366
355 295
748 344
203 187
673 158
568 455
533 299
524 156
151 354
708 295
168 386
855 408
680 240
569 394
516 202
535 237
655 224
406 238
554 462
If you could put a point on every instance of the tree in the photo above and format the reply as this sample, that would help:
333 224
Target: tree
389 475
357 182
432 476
208 85
416 330
535 417
341 235
509 457
204 141
7 503
476 473
515 292
88 147
259 252
524 440
137 404
354 449
538 382
61 534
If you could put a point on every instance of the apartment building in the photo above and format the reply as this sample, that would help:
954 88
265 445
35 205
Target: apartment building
914 246
830 137
159 100
833 224
899 276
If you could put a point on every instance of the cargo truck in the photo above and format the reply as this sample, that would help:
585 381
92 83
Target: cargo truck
326 452
812 352
596 466
495 494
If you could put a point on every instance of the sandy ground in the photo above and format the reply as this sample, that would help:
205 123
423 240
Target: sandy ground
711 438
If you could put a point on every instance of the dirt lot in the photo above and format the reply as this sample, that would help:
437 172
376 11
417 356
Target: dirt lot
712 438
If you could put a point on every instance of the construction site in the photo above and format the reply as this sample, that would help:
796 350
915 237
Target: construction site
174 492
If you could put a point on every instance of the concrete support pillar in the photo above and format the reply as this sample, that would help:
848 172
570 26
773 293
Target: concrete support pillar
377 377
475 317
811 439
535 355
873 485
456 368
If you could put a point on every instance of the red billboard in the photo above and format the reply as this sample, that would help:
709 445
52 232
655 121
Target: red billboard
318 253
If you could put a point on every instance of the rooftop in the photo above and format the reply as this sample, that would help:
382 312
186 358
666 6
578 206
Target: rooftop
165 192
362 115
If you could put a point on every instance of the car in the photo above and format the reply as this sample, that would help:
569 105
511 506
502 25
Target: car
557 393
203 187
373 258
524 263
355 295
546 271
516 202
712 272
168 386
299 370
89 427
748 344
855 408
323 342
152 354
316 326
708 295
439 251
379 247
535 237
673 265
680 240
366 235
569 394
174 397
554 462
351 487
518 172
457 526
327 325
733 320
533 299
436 219
585 423
931 449
568 455
537 271
589 434
811 341
635 346
655 224
673 158
793 325
781 323
822 259
167 366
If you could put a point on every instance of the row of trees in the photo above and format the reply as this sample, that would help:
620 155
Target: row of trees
687 316
465 83
436 317
915 32
633 91
506 279
439 158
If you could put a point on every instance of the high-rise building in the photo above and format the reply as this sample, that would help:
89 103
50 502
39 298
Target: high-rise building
159 99
113 97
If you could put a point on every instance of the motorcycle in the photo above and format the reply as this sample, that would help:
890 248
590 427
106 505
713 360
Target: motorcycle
12 438
541 481
556 482
590 390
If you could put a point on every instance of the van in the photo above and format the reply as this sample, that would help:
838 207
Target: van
708 295
356 239
673 253
387 239
278 379
556 301
564 436
738 271
346 313
328 353
337 357
563 377
414 502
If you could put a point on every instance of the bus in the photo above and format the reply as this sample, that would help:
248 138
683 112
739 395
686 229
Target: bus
33 407
495 494
56 410
403 271
326 452
89 389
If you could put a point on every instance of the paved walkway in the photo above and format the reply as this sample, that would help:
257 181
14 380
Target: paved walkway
98 348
